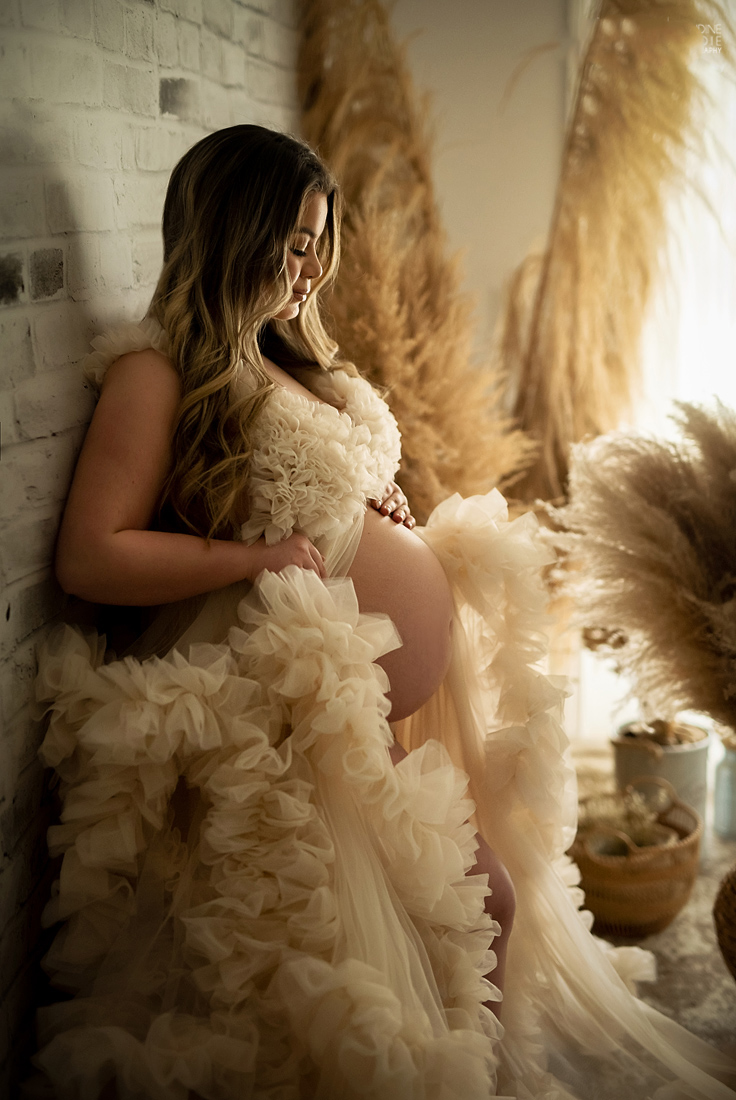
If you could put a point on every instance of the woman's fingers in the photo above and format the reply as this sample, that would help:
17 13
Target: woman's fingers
394 500
403 515
296 549
319 562
394 503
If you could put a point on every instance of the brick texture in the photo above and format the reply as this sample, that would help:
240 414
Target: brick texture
98 100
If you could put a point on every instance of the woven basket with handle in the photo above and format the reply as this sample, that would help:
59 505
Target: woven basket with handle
642 890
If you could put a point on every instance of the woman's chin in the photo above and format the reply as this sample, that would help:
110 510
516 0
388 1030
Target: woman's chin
288 313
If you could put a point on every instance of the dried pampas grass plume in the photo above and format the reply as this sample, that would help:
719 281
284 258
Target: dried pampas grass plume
397 308
570 333
650 531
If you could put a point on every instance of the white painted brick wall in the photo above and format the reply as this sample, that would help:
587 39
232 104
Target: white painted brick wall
98 100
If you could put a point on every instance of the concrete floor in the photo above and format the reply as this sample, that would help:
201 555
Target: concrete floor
693 984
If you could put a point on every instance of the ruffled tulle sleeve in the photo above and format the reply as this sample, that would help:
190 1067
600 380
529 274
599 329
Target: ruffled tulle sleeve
120 340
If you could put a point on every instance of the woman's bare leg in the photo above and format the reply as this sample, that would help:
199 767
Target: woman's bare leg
501 905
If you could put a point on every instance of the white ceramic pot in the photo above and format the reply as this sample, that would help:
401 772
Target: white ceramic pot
684 766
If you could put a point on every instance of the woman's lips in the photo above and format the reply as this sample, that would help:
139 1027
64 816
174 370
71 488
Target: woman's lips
297 297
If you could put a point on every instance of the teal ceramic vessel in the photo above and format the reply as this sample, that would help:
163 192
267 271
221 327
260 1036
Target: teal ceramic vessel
724 804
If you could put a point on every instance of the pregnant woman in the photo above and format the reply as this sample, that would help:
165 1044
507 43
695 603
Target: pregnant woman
274 882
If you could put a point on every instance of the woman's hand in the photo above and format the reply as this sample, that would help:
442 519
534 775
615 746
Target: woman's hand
393 503
294 550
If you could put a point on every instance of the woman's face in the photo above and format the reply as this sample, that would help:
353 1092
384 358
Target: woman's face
302 262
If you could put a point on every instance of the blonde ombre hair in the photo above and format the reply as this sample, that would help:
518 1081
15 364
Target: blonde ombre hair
232 208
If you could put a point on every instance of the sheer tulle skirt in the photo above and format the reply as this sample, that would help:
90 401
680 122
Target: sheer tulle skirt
256 903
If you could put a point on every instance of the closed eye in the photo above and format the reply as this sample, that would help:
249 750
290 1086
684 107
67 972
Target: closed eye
299 251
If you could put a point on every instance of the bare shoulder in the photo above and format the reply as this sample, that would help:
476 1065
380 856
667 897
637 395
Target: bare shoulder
149 374
138 404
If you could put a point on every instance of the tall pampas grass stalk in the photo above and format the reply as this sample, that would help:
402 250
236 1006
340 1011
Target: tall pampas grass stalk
571 329
397 308
649 530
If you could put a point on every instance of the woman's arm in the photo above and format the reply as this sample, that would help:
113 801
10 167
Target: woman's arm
105 552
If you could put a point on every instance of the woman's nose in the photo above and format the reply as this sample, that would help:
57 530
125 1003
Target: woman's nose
311 267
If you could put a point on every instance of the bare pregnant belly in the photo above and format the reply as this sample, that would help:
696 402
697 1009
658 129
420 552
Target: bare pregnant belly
396 573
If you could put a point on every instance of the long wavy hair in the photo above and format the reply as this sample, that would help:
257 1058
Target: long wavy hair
233 204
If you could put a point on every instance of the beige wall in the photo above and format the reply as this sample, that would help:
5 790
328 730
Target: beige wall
496 164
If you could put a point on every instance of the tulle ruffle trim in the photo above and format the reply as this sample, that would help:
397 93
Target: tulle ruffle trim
118 341
525 788
568 1005
283 734
494 567
315 464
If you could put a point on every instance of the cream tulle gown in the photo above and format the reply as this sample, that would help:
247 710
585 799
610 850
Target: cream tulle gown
255 903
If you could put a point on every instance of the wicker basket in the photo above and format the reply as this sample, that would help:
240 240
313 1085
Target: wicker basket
724 917
643 890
